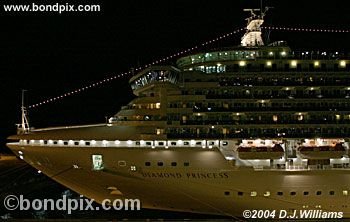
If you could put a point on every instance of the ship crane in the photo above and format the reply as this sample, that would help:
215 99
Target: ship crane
252 37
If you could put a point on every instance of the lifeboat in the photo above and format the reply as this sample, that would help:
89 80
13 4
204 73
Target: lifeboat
260 153
322 152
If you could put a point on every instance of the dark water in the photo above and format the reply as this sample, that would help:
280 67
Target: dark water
18 178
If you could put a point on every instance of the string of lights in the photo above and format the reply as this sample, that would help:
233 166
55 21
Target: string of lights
158 61
305 29
177 54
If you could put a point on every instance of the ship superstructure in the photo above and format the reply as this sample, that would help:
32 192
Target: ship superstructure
249 127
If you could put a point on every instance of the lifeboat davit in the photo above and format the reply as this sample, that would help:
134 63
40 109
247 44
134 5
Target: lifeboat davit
322 152
260 153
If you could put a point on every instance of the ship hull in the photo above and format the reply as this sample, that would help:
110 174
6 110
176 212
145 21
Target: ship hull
203 181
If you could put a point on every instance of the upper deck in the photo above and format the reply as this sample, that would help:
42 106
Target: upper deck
275 51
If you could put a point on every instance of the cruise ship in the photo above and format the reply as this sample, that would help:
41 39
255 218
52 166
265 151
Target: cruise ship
255 126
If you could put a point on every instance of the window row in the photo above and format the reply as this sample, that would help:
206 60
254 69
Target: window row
291 193
219 132
265 118
262 105
289 92
160 163
305 80
129 143
271 66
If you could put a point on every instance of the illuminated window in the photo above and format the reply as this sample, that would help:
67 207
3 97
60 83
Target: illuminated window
97 162
345 192
267 194
242 63
253 194
269 63
316 63
275 118
283 53
300 117
342 64
293 63
133 168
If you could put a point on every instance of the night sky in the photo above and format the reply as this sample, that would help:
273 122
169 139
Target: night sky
50 54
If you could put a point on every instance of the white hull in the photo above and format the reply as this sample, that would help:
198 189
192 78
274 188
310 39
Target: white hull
210 184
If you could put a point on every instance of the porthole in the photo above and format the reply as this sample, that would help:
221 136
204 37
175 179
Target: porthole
293 193
280 193
65 143
318 193
173 164
267 194
160 164
240 193
306 193
121 163
331 192
147 163
186 164
253 194
227 193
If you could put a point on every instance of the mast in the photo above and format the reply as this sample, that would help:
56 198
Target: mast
24 126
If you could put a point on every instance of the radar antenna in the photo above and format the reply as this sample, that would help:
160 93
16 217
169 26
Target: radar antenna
252 37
